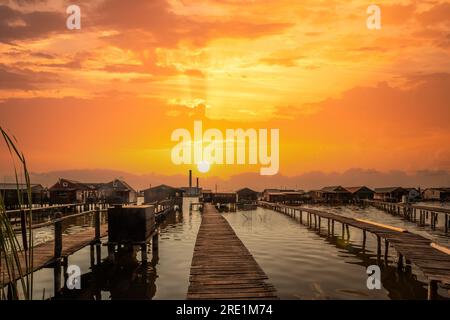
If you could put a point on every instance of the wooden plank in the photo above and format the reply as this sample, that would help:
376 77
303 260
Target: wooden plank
222 267
43 254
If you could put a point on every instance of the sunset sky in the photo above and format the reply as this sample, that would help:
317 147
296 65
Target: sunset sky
109 95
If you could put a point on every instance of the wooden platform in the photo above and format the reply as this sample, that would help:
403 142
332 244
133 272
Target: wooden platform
222 267
434 263
43 254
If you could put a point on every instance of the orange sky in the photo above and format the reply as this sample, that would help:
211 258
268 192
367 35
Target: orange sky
110 94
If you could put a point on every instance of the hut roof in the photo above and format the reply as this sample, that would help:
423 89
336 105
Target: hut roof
388 189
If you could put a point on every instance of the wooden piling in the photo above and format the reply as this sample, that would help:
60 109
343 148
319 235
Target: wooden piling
144 258
378 247
97 220
432 290
58 236
386 252
364 240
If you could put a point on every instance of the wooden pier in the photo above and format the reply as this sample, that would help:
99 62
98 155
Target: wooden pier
415 213
222 267
55 253
410 247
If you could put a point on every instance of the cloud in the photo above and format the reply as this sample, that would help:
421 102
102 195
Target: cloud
23 79
158 26
440 13
16 25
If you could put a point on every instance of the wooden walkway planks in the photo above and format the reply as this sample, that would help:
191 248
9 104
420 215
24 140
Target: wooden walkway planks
222 267
434 263
43 254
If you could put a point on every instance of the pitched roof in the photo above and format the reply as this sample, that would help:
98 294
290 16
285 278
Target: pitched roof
334 189
442 189
162 187
66 184
356 189
246 190
388 189
117 184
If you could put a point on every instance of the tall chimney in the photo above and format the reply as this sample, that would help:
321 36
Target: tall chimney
197 183
190 178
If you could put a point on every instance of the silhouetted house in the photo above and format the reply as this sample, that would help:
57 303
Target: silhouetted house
70 191
160 193
361 193
10 194
266 192
246 195
271 194
294 196
117 191
207 195
333 194
224 197
276 196
436 194
390 194
413 194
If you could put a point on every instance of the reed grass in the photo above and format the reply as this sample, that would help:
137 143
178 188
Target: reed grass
16 258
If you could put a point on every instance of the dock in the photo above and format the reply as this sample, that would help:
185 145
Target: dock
410 247
419 214
222 267
56 252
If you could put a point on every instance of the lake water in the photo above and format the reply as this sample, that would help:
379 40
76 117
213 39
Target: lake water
300 263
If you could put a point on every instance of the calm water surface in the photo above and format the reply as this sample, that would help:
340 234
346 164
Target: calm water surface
305 265
300 263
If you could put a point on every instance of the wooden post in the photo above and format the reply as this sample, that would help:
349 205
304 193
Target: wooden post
98 250
432 290
65 267
364 240
58 237
332 227
155 245
111 252
378 247
386 252
348 231
400 261
57 277
320 220
97 218
92 255
343 230
446 223
144 253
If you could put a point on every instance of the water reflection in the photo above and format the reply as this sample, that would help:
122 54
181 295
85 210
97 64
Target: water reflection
127 280
305 264
165 276
300 262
